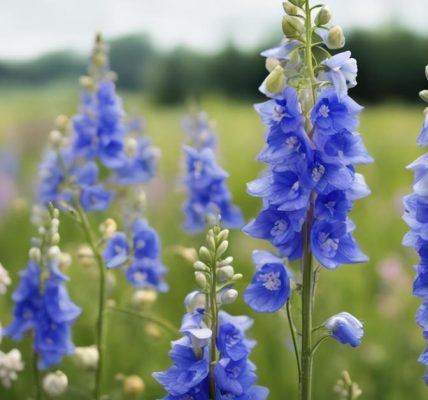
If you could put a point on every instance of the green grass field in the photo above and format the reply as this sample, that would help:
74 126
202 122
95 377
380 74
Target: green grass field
379 292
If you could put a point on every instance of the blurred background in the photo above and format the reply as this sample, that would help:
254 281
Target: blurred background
167 53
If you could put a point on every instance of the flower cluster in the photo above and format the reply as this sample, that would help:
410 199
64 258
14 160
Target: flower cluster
197 373
205 181
42 302
416 216
10 364
140 256
310 184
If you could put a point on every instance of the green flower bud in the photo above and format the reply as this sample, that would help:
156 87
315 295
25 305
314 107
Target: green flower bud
426 72
205 255
237 277
201 280
226 273
424 95
229 296
290 9
35 254
298 3
200 266
271 63
222 248
227 261
211 242
323 17
336 38
292 26
275 82
223 235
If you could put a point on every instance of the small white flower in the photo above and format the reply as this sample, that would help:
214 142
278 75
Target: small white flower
4 279
55 383
144 298
10 364
86 357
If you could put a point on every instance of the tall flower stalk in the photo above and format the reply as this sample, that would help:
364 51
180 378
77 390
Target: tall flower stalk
416 212
210 362
310 184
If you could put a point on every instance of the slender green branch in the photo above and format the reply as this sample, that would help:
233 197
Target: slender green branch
99 339
317 344
214 323
293 337
163 323
36 373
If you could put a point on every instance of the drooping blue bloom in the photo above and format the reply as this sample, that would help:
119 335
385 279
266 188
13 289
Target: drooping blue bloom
341 72
205 181
270 287
345 328
116 252
146 243
47 311
147 273
333 244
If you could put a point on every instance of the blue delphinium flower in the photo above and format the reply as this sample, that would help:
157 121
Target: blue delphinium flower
140 256
345 328
43 305
416 216
211 360
205 181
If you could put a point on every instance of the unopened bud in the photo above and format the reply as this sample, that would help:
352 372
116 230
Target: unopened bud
86 255
144 298
54 253
54 224
237 277
292 26
133 386
86 357
55 138
298 3
226 273
275 82
108 228
35 254
424 95
229 296
271 63
227 261
200 266
153 331
223 235
201 279
290 8
61 122
131 146
205 255
323 17
65 260
55 383
86 82
336 38
222 248
56 238
426 72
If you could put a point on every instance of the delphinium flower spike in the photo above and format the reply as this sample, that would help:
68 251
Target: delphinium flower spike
208 194
416 212
42 303
310 183
95 163
210 362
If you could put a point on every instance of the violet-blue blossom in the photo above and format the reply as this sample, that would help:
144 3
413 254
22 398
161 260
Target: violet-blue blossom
345 328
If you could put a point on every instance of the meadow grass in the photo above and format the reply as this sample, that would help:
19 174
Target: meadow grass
385 365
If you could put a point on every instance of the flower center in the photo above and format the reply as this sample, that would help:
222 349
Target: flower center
327 244
318 172
324 111
271 281
277 113
279 227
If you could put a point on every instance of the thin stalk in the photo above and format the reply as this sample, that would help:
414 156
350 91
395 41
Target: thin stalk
305 386
293 337
99 338
163 323
317 344
37 386
214 324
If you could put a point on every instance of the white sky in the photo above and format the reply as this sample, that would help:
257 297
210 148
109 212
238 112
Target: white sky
32 27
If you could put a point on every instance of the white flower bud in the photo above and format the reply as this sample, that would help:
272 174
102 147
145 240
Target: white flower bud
222 248
200 266
4 282
86 255
133 386
426 72
228 296
195 300
153 331
424 95
108 228
56 238
275 82
10 364
54 224
237 277
55 138
223 235
61 122
271 63
65 260
201 279
227 261
290 8
144 298
86 82
298 3
54 253
205 255
292 26
225 273
35 254
323 17
86 357
41 230
131 146
336 38
55 383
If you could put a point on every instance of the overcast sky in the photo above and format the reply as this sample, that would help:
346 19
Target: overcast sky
32 27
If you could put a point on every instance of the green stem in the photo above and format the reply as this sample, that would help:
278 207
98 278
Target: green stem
305 386
99 339
166 325
38 388
214 325
317 344
293 337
